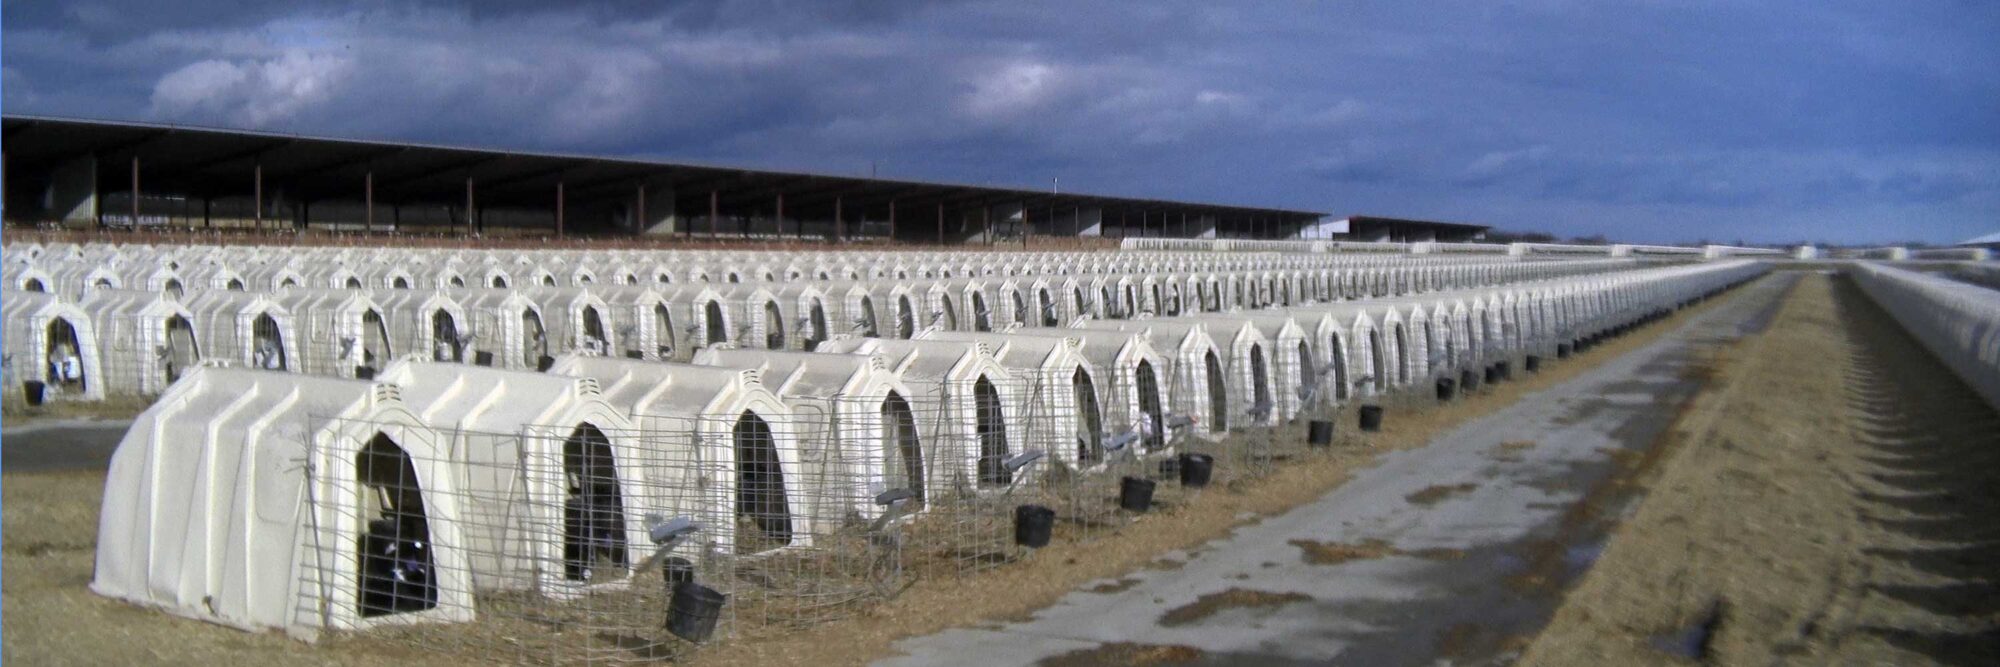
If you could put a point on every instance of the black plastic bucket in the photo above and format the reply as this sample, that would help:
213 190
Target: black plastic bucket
1319 433
676 571
1532 363
1135 494
1446 388
1032 525
1468 382
1506 370
692 613
543 364
364 373
634 354
482 358
1492 373
33 390
1371 418
1196 469
1562 350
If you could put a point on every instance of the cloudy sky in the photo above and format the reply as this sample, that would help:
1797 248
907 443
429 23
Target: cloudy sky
1766 121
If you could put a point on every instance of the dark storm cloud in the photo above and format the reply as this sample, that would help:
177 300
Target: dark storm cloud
1652 121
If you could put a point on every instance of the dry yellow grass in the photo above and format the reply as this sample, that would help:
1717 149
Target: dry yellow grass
1794 517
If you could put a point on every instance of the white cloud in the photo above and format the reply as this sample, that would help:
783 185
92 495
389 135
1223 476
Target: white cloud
1500 162
1342 112
1220 97
251 92
1011 89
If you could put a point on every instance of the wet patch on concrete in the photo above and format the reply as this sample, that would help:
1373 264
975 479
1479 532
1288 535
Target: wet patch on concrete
1335 553
1124 653
1511 450
1118 586
1430 495
1234 598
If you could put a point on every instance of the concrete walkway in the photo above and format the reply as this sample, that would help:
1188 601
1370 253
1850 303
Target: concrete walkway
1453 553
67 444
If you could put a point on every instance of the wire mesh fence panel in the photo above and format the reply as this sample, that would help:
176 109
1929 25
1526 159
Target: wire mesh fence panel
572 544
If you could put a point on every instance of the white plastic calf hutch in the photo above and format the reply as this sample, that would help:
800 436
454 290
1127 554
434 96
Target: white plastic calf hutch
1132 387
248 328
278 501
1197 382
964 402
428 322
716 445
147 340
1061 411
642 321
345 333
549 498
857 432
577 320
52 344
508 330
1291 373
1253 375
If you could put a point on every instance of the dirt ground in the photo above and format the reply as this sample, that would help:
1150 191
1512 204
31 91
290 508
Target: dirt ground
51 519
1832 499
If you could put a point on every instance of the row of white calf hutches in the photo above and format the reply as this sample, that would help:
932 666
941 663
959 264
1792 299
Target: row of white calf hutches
508 329
857 432
712 444
576 320
1244 352
340 332
1282 372
1061 410
52 343
249 328
642 321
23 277
806 308
212 276
963 401
1197 384
427 322
153 276
547 501
278 501
1366 346
1131 376
147 337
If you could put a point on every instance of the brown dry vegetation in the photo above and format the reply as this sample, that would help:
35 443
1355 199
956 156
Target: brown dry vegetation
1127 654
52 618
1831 499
